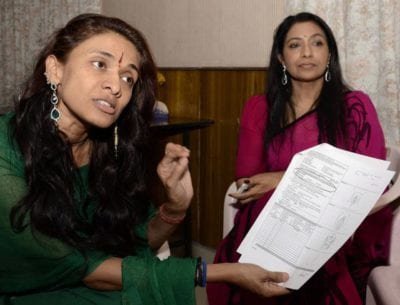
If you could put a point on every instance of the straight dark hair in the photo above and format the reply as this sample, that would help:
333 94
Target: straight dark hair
330 105
117 186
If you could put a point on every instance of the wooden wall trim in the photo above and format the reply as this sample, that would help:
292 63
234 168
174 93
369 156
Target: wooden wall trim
217 94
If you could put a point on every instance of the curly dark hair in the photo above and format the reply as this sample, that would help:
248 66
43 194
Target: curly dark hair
331 106
117 186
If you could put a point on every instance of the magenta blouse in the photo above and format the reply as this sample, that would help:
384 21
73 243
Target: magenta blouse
365 133
342 280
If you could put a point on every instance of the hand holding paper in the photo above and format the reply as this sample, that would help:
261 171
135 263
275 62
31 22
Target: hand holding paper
322 198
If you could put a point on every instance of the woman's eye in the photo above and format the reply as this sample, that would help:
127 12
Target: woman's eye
293 45
318 43
129 80
99 64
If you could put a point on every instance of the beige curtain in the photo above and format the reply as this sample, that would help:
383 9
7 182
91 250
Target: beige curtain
368 35
24 26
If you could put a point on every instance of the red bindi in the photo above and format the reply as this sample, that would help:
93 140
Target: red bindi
120 60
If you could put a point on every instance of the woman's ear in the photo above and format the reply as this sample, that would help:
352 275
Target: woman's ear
280 58
54 70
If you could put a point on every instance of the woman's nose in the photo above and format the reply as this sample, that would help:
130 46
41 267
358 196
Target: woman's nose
112 83
307 52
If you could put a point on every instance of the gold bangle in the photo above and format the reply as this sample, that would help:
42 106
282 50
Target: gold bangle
168 219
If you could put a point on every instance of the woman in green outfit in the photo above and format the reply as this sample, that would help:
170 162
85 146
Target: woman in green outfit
76 225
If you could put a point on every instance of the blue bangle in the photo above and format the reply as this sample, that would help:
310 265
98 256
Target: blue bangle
200 278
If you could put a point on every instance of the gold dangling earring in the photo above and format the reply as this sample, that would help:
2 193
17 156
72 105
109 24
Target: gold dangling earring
116 142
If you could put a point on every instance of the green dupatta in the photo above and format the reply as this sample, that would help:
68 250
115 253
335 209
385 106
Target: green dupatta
35 269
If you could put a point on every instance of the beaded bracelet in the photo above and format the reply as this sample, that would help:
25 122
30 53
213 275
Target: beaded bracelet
201 273
168 219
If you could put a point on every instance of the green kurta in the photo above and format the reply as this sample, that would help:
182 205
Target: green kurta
35 269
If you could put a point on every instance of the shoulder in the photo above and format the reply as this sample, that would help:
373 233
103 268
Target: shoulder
5 119
358 97
254 113
5 129
10 156
5 137
364 128
359 103
256 103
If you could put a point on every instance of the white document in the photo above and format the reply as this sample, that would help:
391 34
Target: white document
322 198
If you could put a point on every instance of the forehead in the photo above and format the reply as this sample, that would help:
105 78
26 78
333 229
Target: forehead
304 30
110 42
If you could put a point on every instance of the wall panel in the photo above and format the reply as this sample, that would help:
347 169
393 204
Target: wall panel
217 94
206 33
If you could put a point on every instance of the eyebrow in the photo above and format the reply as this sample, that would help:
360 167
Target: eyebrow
109 55
312 36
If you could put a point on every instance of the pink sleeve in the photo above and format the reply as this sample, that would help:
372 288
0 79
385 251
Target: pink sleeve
365 131
251 157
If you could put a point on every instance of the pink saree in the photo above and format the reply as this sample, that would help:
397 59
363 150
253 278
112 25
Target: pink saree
342 280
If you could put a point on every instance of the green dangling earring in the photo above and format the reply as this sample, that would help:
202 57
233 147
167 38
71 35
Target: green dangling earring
54 113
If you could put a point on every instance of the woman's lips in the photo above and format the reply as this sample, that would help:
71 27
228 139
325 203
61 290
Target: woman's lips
105 106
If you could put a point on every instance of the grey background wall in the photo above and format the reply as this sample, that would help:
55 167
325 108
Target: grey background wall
203 33
24 28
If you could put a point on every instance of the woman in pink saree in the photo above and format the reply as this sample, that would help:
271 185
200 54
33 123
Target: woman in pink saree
307 103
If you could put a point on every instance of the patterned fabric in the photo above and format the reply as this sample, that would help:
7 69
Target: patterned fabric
343 276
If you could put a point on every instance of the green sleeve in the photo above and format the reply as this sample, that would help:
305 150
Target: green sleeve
32 261
42 270
147 280
141 231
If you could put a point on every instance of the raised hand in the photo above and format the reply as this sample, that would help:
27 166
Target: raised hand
174 173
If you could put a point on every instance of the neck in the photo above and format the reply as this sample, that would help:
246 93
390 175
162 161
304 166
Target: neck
81 152
305 95
78 138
